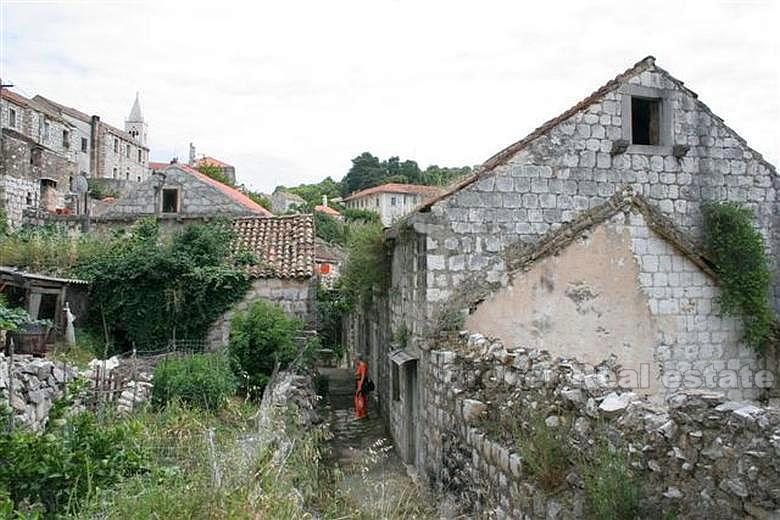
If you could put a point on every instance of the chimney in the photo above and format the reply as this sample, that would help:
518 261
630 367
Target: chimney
325 200
192 154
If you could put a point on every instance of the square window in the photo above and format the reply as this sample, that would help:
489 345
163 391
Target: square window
170 200
645 120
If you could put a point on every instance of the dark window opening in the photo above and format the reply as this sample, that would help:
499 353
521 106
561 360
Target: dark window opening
28 200
65 139
116 145
35 157
645 120
140 156
48 307
84 144
170 200
395 383
12 118
392 201
127 150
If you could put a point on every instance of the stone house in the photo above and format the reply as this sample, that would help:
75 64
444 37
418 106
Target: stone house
391 201
37 163
181 193
283 201
104 151
284 273
613 186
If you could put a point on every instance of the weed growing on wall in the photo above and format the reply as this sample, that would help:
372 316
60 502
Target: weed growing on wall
367 264
545 451
737 249
611 487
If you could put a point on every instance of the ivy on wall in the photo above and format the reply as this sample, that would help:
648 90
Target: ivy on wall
737 249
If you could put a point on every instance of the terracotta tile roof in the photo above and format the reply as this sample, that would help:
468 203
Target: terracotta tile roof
283 246
326 210
414 189
235 195
210 161
156 166
504 155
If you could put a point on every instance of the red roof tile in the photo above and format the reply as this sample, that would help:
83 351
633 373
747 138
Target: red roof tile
235 195
414 189
283 246
327 210
210 161
156 166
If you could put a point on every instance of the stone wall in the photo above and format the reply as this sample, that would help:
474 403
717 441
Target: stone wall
572 167
621 289
295 296
113 161
15 194
696 456
36 384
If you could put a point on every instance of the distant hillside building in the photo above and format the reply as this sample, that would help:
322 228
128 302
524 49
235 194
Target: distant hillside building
391 201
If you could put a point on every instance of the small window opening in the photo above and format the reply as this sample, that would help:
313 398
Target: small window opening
392 201
84 144
127 151
645 120
116 145
36 157
12 118
65 139
114 172
395 384
170 200
29 200
140 156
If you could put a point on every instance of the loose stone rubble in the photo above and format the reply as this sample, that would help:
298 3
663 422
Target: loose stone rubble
38 382
697 455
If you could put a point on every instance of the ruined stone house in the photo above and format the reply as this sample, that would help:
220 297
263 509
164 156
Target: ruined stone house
578 239
228 170
284 273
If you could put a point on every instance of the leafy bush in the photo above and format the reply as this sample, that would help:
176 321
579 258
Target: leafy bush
331 308
259 338
61 468
329 229
612 489
201 380
148 288
737 249
364 216
11 318
366 266
545 452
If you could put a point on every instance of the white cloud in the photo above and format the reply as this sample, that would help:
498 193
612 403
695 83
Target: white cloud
290 91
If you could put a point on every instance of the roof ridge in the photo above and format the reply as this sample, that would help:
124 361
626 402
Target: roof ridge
231 192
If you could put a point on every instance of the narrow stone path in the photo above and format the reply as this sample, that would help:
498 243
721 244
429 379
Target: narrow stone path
373 476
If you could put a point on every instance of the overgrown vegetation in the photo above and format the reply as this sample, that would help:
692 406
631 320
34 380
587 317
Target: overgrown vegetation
367 263
97 189
737 249
201 380
56 471
47 250
147 288
612 489
261 337
329 229
11 318
545 451
332 306
215 172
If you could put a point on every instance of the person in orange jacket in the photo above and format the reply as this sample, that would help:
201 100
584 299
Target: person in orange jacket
361 374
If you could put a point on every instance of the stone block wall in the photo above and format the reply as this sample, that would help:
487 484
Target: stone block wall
15 193
571 168
295 296
696 456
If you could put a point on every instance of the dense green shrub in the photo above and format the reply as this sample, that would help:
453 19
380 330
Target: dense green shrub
58 470
360 215
201 380
367 266
259 338
332 306
329 229
150 289
737 249
611 487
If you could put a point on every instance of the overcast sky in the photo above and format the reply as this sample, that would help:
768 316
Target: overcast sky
290 91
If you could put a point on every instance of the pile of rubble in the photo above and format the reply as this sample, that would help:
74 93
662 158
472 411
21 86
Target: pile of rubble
697 454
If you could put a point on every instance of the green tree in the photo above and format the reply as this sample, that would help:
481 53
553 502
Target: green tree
366 171
213 171
313 193
366 267
329 229
259 338
259 198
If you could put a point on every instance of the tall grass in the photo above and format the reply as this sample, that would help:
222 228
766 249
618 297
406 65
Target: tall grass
47 250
